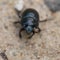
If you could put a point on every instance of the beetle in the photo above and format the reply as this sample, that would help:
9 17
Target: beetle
29 22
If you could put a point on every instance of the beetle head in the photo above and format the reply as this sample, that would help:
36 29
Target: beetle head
29 29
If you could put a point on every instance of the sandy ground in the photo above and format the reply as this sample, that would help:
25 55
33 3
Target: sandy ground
42 46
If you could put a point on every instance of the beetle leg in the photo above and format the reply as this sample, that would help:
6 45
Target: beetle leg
17 22
39 30
31 35
43 20
20 32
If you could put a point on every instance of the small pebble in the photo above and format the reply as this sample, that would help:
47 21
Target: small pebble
19 5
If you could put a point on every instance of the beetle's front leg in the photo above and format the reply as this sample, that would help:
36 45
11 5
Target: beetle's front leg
20 32
31 35
37 30
17 22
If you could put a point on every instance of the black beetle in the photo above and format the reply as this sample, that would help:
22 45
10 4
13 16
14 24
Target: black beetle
29 22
